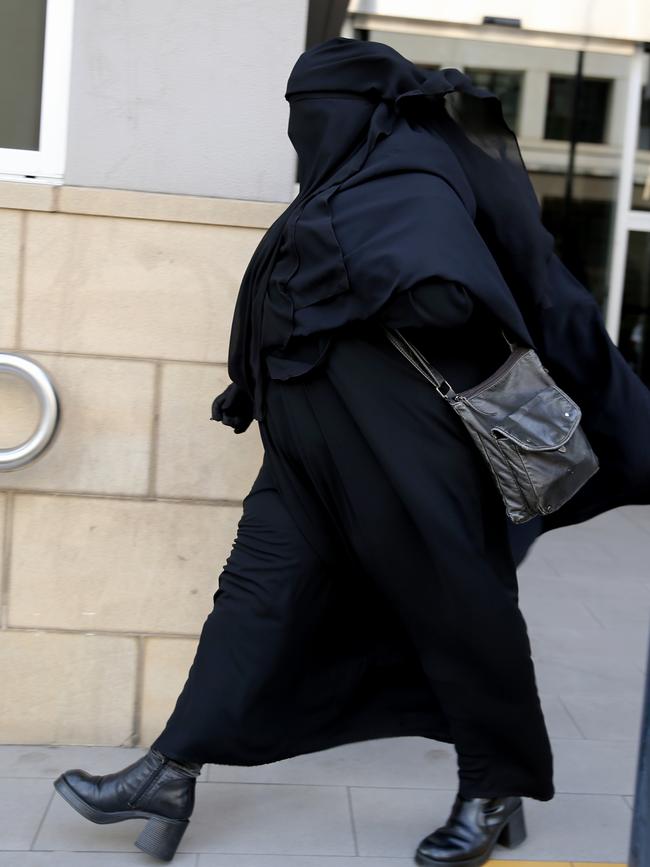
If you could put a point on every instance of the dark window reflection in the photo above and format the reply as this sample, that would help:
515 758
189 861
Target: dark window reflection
644 129
506 85
634 340
641 187
592 109
22 35
582 238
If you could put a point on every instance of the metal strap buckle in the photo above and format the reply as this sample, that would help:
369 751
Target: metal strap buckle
449 394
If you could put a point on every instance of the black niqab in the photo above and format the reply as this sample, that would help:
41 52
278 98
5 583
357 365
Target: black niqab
324 130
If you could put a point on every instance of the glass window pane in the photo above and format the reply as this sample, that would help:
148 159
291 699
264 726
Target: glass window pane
634 340
593 104
577 195
22 38
582 225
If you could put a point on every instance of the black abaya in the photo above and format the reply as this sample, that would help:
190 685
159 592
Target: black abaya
371 591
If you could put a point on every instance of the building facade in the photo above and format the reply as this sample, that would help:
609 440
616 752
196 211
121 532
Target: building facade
143 153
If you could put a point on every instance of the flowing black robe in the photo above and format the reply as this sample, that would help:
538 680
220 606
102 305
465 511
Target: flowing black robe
372 587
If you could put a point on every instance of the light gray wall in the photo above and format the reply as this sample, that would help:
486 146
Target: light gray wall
184 97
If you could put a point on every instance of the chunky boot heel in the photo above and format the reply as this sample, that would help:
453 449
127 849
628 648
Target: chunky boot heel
474 827
155 787
160 837
514 832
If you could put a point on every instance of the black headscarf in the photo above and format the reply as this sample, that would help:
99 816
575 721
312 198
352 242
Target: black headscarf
359 110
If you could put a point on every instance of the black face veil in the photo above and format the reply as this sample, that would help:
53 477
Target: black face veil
347 98
324 131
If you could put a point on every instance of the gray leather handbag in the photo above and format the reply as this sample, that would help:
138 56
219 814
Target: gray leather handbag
527 429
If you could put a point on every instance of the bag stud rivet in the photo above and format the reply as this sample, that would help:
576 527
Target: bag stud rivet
562 449
567 414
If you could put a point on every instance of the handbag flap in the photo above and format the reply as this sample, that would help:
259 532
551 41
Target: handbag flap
546 421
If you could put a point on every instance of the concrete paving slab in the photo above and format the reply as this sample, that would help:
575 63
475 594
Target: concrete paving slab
87 859
22 805
400 761
572 827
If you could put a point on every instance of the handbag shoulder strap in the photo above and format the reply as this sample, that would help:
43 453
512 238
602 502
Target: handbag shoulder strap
418 360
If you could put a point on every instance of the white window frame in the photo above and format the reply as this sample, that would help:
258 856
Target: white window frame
47 164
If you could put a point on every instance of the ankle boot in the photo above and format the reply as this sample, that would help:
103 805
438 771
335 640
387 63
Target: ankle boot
154 787
474 827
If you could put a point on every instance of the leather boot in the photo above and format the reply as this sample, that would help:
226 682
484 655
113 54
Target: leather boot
474 827
154 787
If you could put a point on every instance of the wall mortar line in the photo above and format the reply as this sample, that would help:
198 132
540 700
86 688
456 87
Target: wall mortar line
20 283
155 429
138 698
6 558
134 498
106 356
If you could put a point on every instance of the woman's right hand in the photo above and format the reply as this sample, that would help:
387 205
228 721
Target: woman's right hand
233 407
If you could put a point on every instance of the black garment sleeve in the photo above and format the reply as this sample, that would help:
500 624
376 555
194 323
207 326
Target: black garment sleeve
436 302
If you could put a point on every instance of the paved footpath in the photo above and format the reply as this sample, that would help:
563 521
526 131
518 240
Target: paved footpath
585 593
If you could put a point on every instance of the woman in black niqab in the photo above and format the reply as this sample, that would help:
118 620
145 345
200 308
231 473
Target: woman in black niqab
385 486
371 590
414 210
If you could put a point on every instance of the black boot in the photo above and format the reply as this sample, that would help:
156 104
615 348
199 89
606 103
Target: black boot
154 787
474 827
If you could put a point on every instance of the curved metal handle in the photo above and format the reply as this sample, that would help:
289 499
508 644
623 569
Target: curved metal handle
38 379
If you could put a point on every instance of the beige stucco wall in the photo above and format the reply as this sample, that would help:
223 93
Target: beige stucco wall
112 542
